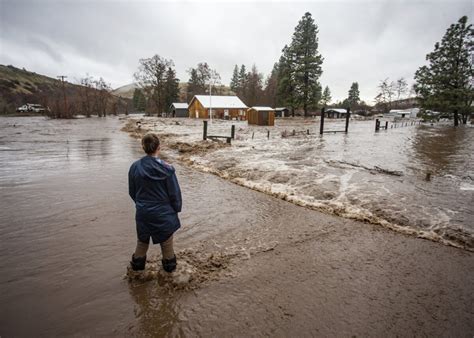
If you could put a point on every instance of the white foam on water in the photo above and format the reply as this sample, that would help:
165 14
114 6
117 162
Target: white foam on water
466 186
312 172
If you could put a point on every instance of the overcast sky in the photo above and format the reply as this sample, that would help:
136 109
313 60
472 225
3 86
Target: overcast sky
363 41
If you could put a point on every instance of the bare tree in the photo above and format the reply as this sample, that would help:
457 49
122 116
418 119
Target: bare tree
101 96
86 94
151 76
385 95
401 88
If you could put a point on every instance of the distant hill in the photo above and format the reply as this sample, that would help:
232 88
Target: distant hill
126 91
20 86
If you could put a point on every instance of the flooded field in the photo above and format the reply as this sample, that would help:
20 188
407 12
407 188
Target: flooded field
67 232
364 175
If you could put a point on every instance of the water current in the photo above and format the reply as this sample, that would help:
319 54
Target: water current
67 228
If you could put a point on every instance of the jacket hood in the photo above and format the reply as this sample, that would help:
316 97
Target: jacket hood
154 168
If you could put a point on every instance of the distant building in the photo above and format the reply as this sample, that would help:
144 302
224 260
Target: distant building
223 107
179 110
261 116
336 113
404 113
282 112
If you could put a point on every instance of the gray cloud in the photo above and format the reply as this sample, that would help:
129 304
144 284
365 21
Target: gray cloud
360 41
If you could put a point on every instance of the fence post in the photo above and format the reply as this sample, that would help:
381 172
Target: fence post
321 123
268 134
377 124
386 125
348 114
232 132
204 132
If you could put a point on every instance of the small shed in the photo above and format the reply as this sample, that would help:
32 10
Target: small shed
336 113
261 116
282 112
179 110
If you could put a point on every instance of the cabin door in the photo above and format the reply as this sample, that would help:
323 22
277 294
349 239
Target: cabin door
197 114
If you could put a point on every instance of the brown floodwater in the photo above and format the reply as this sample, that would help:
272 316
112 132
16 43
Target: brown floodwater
67 227
379 177
67 233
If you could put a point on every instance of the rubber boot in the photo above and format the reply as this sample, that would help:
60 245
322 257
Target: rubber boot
169 265
138 263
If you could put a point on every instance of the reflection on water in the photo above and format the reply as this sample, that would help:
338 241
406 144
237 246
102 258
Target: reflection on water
155 310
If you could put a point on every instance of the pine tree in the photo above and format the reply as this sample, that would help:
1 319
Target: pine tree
193 87
234 82
139 100
142 102
307 63
286 80
254 87
446 84
271 87
241 89
171 87
326 97
353 95
136 97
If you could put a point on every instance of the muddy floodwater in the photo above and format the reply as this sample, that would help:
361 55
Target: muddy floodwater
251 264
377 177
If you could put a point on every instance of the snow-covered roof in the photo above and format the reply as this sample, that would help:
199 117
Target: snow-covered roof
219 101
260 108
179 105
281 108
337 110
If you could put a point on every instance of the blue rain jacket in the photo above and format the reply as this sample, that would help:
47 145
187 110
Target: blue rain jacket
154 188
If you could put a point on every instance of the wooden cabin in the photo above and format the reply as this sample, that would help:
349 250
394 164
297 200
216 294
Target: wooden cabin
223 107
261 116
179 110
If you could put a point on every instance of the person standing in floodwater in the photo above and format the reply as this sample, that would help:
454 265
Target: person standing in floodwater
154 188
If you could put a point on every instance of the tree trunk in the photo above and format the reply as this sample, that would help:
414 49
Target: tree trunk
456 122
464 118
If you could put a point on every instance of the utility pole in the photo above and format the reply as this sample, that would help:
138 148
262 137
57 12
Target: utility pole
62 77
210 101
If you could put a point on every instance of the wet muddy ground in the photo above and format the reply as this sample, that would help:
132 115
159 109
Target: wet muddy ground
251 264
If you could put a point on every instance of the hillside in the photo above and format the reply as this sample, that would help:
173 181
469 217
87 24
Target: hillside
20 86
